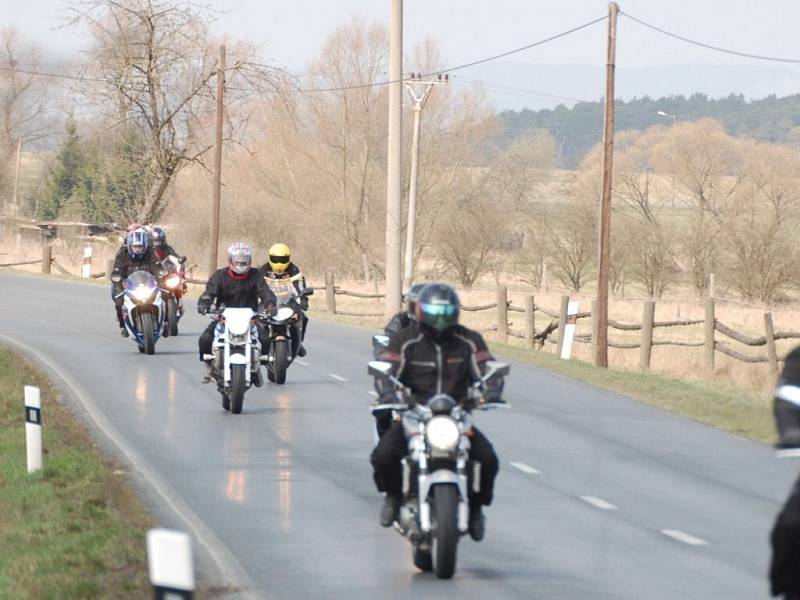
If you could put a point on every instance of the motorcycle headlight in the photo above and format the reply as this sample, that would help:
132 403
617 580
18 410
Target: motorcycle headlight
142 294
173 281
238 339
442 434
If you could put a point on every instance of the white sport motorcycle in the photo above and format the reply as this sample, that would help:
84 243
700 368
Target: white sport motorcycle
142 309
235 357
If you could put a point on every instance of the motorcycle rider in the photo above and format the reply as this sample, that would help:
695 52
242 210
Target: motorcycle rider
238 285
162 250
383 386
135 255
437 355
784 574
279 267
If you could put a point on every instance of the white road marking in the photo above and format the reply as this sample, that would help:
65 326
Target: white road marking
598 503
684 537
337 377
373 393
301 362
525 468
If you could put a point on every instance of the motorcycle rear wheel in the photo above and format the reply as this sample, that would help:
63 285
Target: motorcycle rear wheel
146 323
172 316
444 535
236 393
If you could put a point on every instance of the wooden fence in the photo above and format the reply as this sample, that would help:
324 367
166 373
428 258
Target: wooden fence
536 338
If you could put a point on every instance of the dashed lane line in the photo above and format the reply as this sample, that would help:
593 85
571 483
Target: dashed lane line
525 468
598 503
373 393
684 537
301 362
337 377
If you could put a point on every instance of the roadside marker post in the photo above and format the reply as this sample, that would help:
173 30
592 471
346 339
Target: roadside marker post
169 561
33 428
569 330
86 267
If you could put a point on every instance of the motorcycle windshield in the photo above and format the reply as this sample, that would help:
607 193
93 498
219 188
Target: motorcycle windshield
282 288
237 320
140 279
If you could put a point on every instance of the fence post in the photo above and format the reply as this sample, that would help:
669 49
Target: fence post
646 344
86 267
711 285
594 327
502 314
530 320
47 258
110 268
710 326
772 353
330 292
562 323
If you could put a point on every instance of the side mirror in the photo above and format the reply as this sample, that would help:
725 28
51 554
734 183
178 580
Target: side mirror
379 368
497 368
182 259
380 342
308 292
116 278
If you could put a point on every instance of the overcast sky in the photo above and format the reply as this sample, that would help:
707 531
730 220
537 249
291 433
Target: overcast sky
291 32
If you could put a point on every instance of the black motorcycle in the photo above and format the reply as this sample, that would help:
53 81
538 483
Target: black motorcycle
284 332
437 470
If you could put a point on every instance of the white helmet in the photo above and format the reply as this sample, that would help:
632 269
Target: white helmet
240 257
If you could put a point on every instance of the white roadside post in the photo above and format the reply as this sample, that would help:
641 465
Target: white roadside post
569 330
33 428
86 267
169 560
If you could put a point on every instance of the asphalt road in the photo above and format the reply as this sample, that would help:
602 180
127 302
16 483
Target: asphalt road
598 496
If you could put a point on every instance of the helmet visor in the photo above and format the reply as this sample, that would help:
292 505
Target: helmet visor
282 260
137 249
438 316
239 266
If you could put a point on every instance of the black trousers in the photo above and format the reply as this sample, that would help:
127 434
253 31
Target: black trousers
207 338
784 572
392 447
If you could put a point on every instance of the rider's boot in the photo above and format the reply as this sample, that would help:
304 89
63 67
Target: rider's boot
301 351
256 378
477 523
390 509
123 332
208 376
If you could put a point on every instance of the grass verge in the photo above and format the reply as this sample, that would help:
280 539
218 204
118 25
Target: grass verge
75 529
721 405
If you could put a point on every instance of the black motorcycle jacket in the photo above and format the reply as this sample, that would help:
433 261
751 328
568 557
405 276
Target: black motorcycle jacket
787 402
165 251
237 291
124 265
446 364
400 321
292 273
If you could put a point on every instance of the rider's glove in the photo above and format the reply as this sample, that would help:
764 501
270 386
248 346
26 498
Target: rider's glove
203 304
119 301
304 303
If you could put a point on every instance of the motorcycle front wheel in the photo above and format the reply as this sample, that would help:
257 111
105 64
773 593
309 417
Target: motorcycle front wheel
281 361
236 393
146 324
444 534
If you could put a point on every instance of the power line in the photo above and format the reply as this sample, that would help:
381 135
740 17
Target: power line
517 91
709 46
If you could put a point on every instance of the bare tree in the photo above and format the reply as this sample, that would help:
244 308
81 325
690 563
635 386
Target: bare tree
152 63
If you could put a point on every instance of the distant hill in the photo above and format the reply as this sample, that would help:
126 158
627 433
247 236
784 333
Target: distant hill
579 128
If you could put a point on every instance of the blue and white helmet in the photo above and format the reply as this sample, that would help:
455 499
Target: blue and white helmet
137 242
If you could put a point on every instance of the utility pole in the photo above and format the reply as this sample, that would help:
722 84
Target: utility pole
604 252
394 191
214 242
419 104
14 205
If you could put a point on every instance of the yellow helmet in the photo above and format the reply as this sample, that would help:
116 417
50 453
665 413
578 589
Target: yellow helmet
278 257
